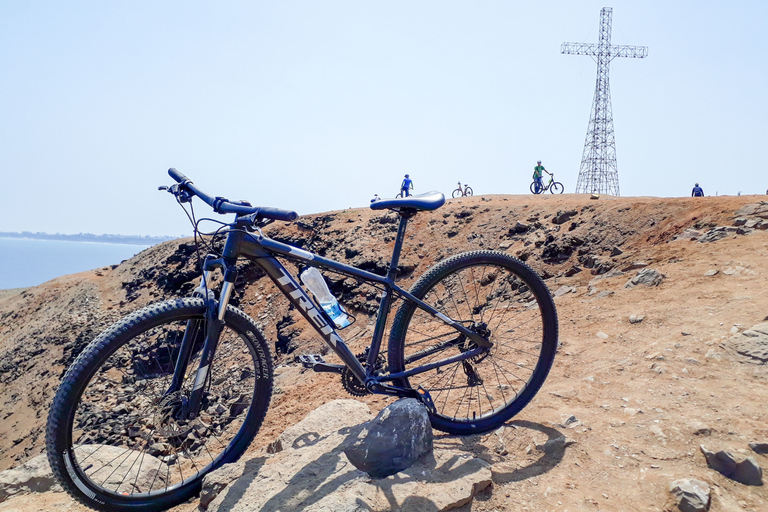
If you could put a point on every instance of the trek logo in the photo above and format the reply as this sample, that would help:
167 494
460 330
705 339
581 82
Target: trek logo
290 287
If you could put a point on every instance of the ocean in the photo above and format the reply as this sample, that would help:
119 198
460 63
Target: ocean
29 262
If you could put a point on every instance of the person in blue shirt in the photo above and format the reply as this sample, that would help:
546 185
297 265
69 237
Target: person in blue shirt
697 191
406 187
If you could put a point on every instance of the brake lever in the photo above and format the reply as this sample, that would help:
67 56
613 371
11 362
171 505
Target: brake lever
181 194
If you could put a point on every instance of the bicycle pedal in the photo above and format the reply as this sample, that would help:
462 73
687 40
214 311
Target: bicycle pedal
426 399
310 360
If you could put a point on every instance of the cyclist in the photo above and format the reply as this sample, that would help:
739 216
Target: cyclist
697 191
537 176
406 186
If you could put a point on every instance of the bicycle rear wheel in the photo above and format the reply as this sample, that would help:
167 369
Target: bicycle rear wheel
499 297
456 193
556 188
535 189
116 440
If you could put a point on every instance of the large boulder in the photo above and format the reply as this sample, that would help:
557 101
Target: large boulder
114 466
310 472
35 475
393 441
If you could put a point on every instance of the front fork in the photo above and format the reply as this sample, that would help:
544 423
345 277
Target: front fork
211 326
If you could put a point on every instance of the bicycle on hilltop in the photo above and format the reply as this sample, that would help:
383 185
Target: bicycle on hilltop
554 187
177 389
465 192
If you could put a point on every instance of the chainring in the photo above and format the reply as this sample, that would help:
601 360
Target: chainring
351 384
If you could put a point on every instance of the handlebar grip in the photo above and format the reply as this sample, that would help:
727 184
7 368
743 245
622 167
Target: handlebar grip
176 175
278 214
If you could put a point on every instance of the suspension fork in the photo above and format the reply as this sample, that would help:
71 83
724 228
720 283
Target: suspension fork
212 326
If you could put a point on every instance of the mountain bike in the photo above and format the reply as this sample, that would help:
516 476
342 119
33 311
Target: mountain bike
176 389
554 187
465 192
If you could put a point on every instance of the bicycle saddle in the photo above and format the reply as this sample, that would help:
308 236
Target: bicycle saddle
429 201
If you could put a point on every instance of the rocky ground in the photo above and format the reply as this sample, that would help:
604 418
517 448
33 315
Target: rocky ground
657 300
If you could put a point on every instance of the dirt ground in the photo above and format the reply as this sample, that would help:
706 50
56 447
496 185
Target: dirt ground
643 396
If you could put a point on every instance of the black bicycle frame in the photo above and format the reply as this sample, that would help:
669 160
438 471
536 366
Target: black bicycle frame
263 251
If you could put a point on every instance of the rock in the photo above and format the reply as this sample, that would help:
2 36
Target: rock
555 444
635 265
564 290
752 344
602 335
393 441
320 423
718 233
748 472
699 429
761 448
317 476
35 475
215 481
723 462
710 273
616 252
518 228
563 217
647 277
745 471
688 234
691 495
573 271
636 319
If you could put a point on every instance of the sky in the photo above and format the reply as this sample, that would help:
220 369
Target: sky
318 105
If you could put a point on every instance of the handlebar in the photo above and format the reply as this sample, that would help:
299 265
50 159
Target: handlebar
222 205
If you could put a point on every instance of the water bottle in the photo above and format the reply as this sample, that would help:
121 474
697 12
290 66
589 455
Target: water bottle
313 280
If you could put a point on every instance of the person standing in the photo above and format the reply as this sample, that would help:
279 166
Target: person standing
697 191
406 187
537 176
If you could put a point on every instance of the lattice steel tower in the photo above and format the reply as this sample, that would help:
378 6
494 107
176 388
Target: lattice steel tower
598 172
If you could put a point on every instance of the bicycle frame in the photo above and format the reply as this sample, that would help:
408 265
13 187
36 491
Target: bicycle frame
263 252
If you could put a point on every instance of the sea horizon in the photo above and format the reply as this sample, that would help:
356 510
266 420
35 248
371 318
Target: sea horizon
26 262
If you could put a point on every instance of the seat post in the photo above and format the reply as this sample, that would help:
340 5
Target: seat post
405 214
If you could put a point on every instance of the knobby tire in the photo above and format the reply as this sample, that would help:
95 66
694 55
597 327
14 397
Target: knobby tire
488 292
111 417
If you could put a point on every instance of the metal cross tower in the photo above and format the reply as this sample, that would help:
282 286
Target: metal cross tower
598 172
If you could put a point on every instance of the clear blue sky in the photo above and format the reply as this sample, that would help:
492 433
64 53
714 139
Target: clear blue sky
316 106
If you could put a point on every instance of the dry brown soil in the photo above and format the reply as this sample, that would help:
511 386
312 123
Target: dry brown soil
645 395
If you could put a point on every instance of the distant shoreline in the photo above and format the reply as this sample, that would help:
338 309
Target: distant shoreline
88 237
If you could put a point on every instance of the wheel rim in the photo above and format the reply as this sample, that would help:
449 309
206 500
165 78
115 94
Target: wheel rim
126 437
482 297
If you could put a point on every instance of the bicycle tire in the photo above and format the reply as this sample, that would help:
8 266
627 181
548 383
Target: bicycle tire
398 196
468 191
533 189
456 193
473 288
556 188
131 363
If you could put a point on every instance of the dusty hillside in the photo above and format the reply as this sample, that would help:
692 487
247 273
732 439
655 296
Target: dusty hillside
644 394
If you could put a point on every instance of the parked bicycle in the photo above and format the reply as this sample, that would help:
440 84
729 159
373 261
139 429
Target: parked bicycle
176 389
554 187
465 192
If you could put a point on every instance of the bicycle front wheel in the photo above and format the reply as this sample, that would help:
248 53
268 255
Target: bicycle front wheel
502 299
116 438
468 192
556 188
